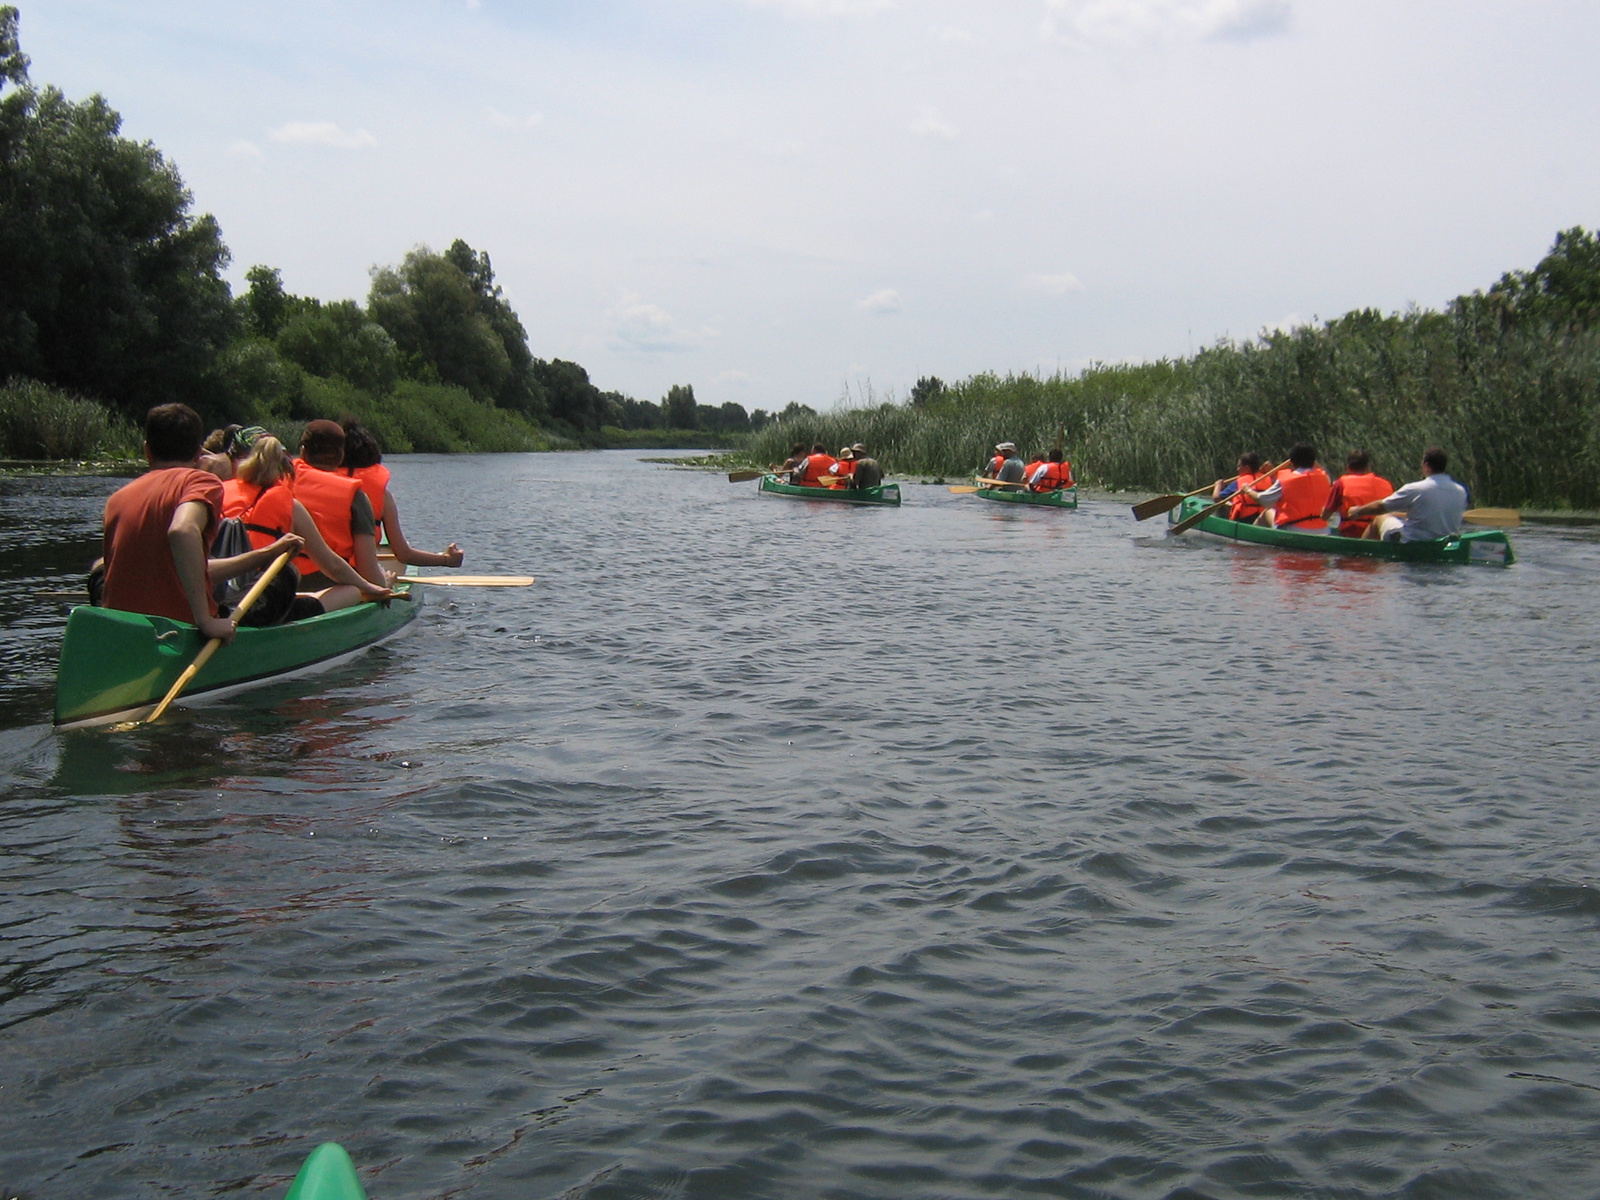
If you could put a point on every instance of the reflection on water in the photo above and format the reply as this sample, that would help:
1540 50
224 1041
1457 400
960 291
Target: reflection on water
775 849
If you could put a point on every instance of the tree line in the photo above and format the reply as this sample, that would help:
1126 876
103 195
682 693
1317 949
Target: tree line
112 288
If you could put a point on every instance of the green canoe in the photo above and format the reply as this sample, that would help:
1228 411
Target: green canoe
115 665
1488 547
885 493
1060 498
327 1174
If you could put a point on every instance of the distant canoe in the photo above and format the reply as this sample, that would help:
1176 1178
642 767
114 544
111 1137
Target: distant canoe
1485 547
1060 498
116 665
886 494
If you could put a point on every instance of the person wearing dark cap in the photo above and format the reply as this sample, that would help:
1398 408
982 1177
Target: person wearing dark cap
1010 470
867 473
337 504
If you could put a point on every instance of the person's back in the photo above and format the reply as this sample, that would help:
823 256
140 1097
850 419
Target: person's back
140 573
868 474
1357 486
1295 500
337 504
1051 475
1011 470
817 464
1423 511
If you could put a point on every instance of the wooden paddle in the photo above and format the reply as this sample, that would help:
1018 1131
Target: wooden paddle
1189 523
470 580
745 476
1505 518
965 490
1161 504
212 646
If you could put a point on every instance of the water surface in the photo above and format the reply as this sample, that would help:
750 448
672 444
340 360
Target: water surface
768 848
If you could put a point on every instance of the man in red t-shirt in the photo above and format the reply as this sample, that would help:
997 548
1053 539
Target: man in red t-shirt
158 528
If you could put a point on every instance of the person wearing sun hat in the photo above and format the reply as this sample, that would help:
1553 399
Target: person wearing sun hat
844 467
867 474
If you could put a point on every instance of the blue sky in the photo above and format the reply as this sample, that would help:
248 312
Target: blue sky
775 200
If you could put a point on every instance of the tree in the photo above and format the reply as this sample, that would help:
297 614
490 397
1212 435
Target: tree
568 395
927 389
430 308
681 409
108 285
1563 290
266 306
338 339
520 390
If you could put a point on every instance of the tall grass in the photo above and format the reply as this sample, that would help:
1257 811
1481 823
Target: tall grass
41 422
1517 410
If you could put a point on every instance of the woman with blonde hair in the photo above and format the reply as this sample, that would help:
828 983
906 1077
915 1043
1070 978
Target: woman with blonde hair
260 495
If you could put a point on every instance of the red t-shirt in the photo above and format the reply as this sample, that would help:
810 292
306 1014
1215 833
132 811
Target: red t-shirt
140 575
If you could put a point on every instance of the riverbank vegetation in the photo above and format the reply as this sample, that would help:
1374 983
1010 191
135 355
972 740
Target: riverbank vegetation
112 297
1506 380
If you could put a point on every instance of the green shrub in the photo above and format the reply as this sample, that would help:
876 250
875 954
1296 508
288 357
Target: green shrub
424 418
41 422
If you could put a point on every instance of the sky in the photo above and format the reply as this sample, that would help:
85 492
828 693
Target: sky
778 200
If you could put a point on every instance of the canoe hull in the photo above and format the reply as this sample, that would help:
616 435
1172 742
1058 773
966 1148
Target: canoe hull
116 665
885 495
327 1174
1486 547
1062 498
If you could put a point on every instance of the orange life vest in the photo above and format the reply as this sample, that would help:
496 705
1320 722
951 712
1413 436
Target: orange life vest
267 512
995 463
374 482
1356 490
1056 475
327 496
1243 508
845 469
813 469
1305 495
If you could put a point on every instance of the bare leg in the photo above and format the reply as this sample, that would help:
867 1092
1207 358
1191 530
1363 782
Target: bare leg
341 595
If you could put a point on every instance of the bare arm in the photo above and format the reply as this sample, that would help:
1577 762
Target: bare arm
186 537
329 563
367 560
256 560
403 551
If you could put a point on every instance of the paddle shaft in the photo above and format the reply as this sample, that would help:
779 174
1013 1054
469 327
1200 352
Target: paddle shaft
212 646
1160 504
470 580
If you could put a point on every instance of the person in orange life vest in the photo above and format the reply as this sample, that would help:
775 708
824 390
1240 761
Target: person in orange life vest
844 468
818 463
363 460
261 495
1052 474
1243 508
1033 465
158 528
1296 497
337 504
1357 486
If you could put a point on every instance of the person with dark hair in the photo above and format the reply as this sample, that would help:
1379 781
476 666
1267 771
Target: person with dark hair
797 456
1052 475
337 504
1357 486
817 464
1296 498
158 528
363 461
1433 506
1245 472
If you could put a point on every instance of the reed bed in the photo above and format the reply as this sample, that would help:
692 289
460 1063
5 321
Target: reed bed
41 422
1517 410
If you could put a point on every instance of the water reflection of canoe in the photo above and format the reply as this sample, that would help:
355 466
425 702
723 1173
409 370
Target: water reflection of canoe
885 493
117 665
327 1174
1489 547
1060 498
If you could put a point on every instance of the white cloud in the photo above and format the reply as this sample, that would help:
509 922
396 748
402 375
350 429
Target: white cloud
1286 324
501 121
1127 22
639 325
1054 285
950 35
983 216
823 8
885 300
734 376
246 150
322 133
931 124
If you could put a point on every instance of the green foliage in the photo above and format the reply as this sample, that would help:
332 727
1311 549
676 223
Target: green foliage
683 412
568 395
337 339
38 421
423 418
108 285
927 388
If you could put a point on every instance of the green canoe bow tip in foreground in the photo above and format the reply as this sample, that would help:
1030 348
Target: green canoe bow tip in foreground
327 1174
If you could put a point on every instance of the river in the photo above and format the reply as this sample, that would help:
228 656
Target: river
776 849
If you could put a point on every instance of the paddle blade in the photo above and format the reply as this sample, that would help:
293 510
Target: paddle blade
965 490
470 580
1155 507
1504 518
744 476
